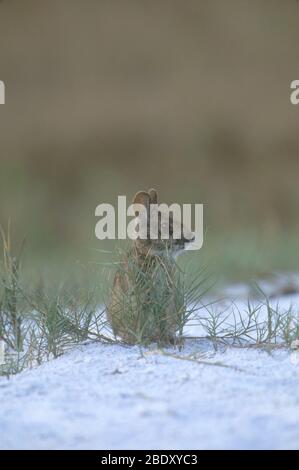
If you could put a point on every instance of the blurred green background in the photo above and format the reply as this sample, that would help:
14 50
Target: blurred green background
107 97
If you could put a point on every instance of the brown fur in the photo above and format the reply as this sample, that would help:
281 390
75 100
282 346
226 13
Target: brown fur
147 255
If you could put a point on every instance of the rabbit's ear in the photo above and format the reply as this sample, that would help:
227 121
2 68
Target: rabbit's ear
153 196
143 198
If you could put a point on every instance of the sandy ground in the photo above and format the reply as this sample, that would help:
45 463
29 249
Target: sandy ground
101 396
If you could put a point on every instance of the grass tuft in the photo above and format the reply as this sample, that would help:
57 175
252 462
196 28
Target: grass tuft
39 321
